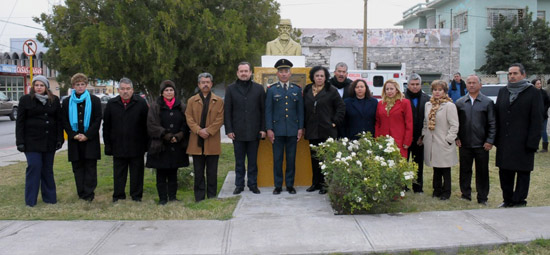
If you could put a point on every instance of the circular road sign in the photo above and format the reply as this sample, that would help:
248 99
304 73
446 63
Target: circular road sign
29 47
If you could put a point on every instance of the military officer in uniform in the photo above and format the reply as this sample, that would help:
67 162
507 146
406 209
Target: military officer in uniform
284 116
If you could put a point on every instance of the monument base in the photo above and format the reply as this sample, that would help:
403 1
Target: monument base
297 61
303 173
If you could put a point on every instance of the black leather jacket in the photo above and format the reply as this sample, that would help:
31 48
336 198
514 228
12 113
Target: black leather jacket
477 121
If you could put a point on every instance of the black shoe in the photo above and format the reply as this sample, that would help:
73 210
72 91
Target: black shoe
254 189
520 204
162 202
291 190
136 199
419 191
312 188
173 200
443 198
466 197
506 205
238 190
277 191
323 191
483 203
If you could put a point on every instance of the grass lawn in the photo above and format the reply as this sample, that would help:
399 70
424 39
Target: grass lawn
69 207
539 246
539 190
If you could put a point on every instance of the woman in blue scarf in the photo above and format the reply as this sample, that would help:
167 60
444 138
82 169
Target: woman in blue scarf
81 120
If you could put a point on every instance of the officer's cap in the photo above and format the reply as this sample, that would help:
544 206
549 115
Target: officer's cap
283 63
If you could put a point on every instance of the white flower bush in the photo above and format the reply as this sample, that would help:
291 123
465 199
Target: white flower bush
364 173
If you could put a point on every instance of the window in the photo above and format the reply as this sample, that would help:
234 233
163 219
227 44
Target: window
541 15
442 24
461 21
378 81
497 15
430 22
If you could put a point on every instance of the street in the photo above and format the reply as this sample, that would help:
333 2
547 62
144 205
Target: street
7 133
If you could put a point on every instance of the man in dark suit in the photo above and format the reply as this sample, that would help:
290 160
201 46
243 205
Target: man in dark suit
418 101
245 124
284 117
125 138
518 119
81 121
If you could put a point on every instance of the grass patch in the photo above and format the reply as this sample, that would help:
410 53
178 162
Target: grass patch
539 190
69 207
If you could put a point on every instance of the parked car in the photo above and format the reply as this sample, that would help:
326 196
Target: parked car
8 107
491 90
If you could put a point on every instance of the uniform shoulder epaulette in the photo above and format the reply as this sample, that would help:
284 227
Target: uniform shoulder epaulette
269 86
294 84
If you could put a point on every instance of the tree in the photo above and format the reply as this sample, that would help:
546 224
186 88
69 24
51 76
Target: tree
525 41
150 41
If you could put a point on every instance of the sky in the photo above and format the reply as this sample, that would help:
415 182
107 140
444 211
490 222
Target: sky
302 13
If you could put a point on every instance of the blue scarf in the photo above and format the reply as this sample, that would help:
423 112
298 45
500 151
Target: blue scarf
73 110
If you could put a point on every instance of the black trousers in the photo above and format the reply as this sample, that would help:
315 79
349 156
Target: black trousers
85 177
507 178
243 149
318 179
120 173
442 182
481 158
208 186
417 154
167 183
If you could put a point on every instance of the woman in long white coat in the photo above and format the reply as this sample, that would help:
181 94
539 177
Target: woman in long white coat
439 134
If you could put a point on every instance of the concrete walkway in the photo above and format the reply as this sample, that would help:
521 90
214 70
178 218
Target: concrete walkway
285 224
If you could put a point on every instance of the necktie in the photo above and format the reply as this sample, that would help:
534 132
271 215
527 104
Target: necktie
285 86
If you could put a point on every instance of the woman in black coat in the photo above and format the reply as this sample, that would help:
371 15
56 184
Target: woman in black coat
39 133
360 110
324 110
167 127
546 105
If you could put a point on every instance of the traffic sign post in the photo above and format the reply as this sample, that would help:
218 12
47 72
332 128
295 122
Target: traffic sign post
29 49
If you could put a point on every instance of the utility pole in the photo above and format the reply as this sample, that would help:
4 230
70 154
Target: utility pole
365 62
451 48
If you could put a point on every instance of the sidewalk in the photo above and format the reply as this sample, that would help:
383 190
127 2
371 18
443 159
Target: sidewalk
285 224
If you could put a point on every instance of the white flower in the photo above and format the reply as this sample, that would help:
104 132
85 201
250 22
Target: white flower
320 163
192 174
359 163
391 163
339 155
389 149
390 139
337 160
383 163
408 175
348 158
350 148
330 140
402 193
384 186
312 146
345 139
353 154
365 179
358 199
349 170
323 167
374 198
356 142
369 152
380 146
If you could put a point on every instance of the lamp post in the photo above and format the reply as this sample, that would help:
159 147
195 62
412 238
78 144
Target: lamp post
365 37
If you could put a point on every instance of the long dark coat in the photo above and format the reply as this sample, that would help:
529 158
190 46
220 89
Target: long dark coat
162 120
38 126
518 129
321 111
125 128
244 112
89 149
360 116
418 114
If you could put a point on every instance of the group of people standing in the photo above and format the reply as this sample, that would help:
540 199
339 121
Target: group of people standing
426 130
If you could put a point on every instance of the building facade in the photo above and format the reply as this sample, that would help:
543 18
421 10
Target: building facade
473 19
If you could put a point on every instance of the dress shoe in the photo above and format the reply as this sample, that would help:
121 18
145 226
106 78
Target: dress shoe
173 200
238 190
323 191
443 198
291 190
254 189
506 205
162 202
466 197
521 204
277 191
312 188
483 203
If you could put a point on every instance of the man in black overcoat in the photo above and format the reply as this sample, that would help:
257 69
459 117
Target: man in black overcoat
518 118
125 138
81 121
244 122
418 101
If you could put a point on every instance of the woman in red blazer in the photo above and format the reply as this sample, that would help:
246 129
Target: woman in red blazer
394 116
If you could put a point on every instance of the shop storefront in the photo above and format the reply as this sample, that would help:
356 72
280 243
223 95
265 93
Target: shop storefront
14 80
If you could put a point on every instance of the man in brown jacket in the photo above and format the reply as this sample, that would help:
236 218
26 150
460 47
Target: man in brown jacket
204 116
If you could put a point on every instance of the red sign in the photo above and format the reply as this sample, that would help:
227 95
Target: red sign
29 47
26 70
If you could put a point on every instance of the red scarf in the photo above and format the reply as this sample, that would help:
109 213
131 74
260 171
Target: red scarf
169 103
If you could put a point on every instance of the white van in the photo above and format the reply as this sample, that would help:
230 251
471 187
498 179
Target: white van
375 79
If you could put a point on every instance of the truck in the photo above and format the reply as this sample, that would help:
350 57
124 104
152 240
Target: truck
375 79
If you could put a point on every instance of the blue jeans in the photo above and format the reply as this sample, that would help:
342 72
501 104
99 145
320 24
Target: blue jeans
40 174
543 133
280 145
248 149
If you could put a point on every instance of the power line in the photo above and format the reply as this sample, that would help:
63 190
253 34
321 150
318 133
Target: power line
23 25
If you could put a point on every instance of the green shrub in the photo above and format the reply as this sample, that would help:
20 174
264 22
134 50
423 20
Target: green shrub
364 173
